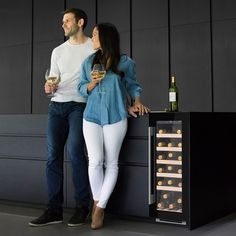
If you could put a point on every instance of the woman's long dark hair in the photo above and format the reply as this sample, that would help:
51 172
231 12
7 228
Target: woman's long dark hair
109 54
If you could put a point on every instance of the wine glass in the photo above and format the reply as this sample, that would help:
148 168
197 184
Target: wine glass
99 73
53 80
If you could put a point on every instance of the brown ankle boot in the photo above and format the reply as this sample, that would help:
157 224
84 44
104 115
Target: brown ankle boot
94 207
97 218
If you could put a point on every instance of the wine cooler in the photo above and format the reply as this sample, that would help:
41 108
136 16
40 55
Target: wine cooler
191 167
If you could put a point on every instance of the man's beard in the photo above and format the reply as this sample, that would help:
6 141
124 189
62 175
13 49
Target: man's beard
74 30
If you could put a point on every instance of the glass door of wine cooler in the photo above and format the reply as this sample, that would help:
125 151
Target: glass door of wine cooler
166 167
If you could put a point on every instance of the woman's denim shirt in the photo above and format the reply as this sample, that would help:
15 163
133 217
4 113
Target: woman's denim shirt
110 104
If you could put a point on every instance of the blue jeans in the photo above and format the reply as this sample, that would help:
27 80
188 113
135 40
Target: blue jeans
65 127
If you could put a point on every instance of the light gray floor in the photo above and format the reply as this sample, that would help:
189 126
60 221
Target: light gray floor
14 222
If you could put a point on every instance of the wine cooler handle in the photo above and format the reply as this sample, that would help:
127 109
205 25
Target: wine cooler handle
151 187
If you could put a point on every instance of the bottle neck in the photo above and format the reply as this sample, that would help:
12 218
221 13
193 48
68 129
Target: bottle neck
172 80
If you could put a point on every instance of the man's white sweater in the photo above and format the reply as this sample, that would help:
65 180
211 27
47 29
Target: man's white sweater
66 61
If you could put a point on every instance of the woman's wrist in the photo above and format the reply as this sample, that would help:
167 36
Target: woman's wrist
91 85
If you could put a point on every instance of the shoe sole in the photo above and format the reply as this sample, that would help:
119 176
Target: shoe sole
78 224
49 223
74 225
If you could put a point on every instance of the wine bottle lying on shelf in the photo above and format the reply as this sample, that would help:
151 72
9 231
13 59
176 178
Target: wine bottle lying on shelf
179 200
162 131
160 205
160 170
161 157
179 158
179 131
161 144
179 144
170 154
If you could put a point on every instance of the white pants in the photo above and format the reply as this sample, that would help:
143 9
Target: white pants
103 144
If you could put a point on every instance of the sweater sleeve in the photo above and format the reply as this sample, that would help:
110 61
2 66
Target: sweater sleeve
84 80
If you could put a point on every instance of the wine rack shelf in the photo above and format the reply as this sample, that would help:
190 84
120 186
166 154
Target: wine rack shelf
170 135
170 149
169 175
169 188
169 162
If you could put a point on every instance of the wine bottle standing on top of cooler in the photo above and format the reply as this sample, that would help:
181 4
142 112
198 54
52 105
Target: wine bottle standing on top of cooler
173 95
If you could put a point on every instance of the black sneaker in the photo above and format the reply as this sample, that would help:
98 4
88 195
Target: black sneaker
47 218
79 217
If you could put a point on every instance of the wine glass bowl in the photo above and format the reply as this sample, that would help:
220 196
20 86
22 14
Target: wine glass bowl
52 80
98 73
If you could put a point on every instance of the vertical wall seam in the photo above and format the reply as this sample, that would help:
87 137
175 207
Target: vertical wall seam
65 7
211 59
131 29
169 43
96 11
32 55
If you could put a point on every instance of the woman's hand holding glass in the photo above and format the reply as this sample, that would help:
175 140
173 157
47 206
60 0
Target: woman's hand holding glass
97 74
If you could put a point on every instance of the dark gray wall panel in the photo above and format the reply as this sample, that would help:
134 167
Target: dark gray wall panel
15 76
89 8
130 196
23 147
15 22
150 52
48 34
149 15
22 125
118 13
47 20
23 181
191 64
188 12
224 52
41 61
223 9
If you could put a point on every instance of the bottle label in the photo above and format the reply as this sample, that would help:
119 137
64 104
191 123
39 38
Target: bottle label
172 96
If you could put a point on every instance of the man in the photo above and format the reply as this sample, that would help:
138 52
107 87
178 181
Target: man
65 116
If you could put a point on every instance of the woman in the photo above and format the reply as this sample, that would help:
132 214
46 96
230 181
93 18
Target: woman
105 115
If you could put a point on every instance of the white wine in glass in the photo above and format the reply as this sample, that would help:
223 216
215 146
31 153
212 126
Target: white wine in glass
52 80
99 73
